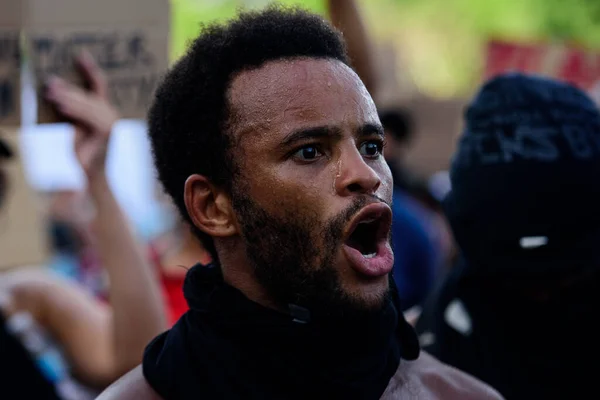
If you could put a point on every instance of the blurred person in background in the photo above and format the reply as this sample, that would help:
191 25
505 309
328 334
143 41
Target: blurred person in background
67 237
419 234
65 331
520 309
76 256
74 252
400 134
271 148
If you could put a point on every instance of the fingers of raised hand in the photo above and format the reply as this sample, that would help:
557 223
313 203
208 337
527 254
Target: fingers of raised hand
80 106
93 74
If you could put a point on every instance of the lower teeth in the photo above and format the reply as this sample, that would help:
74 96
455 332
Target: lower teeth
369 255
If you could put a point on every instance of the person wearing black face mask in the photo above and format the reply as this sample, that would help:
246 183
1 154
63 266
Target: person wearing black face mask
519 309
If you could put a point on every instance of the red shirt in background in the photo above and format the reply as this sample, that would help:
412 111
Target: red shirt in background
172 289
176 305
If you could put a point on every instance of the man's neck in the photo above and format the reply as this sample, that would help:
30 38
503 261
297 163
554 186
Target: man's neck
239 273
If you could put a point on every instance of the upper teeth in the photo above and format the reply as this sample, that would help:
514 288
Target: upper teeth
367 221
371 255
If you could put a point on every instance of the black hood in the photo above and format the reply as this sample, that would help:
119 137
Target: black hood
526 178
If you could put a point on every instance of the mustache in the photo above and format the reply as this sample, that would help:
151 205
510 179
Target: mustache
359 203
336 226
379 199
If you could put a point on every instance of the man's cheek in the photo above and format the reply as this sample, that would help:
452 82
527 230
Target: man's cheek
387 184
288 193
305 209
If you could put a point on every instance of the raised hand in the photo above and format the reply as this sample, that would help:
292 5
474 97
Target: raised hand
89 111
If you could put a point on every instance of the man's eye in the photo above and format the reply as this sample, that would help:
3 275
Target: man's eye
371 149
308 153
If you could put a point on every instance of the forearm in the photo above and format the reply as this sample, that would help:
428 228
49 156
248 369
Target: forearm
75 320
345 16
135 298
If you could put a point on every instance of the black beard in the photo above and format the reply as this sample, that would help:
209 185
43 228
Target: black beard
294 259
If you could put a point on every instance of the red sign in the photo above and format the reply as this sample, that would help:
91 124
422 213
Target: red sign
578 66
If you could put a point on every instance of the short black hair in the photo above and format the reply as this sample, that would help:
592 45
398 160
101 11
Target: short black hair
399 123
188 120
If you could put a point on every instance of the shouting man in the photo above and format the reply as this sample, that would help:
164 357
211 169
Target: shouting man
270 146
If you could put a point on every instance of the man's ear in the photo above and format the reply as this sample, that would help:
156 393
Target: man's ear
209 207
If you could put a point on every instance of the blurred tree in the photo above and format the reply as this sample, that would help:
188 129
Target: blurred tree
440 42
189 15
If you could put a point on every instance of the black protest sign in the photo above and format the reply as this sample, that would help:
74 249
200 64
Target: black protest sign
127 38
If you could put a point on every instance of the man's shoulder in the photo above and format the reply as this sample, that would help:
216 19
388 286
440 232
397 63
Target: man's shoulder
424 378
133 385
428 378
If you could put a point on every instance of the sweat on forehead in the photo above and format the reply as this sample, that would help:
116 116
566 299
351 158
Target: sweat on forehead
299 89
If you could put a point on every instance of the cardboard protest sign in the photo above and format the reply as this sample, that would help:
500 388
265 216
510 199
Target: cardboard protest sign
575 65
128 39
23 234
10 58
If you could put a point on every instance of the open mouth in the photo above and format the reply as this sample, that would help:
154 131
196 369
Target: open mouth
364 237
369 229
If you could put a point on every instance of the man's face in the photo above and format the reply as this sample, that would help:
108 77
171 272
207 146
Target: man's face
312 188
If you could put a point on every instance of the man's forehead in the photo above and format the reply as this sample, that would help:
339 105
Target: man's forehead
298 90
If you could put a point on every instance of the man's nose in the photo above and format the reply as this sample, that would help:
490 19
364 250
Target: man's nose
354 175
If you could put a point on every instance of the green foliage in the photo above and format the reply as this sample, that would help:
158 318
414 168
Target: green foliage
455 32
442 41
577 20
189 15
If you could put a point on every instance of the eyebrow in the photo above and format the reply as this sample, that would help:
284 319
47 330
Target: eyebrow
330 132
371 129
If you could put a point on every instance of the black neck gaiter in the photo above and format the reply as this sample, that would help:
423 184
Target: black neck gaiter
228 347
